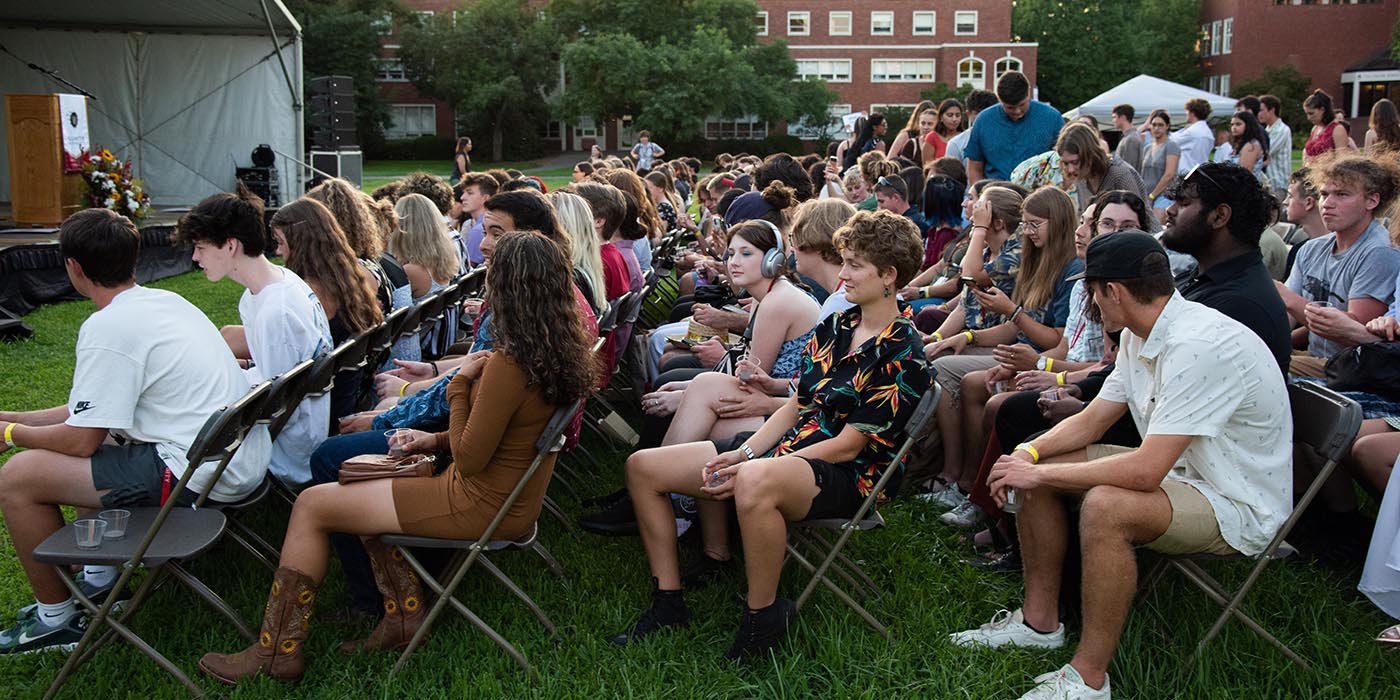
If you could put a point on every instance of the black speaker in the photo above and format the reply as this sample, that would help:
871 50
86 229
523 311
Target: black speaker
331 116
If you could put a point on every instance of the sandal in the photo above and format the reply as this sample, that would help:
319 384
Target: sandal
1390 635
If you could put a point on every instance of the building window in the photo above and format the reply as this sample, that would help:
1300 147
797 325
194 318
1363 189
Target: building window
972 71
742 128
838 24
965 22
411 121
586 128
1227 35
805 129
760 23
894 70
1225 84
391 71
423 17
924 23
384 25
1215 38
1004 65
881 24
799 23
552 130
832 70
885 109
1203 41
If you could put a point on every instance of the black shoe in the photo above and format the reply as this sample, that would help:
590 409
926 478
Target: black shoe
617 519
606 500
667 610
704 570
1008 562
761 630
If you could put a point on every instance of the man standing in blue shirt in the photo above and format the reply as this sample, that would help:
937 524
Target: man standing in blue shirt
1010 132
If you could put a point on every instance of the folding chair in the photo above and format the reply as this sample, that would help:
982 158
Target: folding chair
318 381
812 533
170 536
1324 425
469 552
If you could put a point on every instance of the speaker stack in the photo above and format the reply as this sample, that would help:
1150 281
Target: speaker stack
334 146
262 179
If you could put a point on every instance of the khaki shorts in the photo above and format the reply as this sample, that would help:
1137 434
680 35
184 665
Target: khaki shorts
1301 364
952 368
1194 529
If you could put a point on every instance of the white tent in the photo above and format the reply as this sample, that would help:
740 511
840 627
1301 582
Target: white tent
1146 93
186 89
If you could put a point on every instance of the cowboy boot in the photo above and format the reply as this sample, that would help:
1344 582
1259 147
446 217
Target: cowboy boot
277 652
403 600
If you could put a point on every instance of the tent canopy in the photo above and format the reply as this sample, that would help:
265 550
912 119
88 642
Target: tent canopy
185 89
1146 93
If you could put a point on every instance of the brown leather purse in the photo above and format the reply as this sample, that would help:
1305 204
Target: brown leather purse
367 467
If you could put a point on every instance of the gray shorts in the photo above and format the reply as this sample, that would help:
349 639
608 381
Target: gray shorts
133 475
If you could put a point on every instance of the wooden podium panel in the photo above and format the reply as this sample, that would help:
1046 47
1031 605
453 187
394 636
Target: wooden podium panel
41 195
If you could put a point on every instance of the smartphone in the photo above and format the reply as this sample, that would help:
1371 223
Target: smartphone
734 309
972 282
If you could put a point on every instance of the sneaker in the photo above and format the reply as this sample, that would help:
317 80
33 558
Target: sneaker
1009 629
616 519
761 630
1065 684
704 570
947 499
967 516
30 636
95 594
667 610
1008 562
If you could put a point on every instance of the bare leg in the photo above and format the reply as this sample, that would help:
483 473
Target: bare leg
365 508
32 486
770 493
687 284
1372 457
237 341
950 432
974 396
651 476
1043 528
1111 520
695 416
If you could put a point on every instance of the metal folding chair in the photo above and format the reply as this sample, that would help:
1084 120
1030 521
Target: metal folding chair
814 534
170 536
1324 425
469 552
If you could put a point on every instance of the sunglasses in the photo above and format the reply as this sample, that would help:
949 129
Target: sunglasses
1198 171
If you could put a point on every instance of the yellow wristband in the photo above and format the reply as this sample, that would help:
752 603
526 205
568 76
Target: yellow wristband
971 339
1060 379
937 336
403 390
1030 450
1049 364
10 435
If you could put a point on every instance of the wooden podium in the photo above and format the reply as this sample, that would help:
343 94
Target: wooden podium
40 193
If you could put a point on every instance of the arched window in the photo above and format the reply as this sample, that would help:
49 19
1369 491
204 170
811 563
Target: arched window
1006 64
972 71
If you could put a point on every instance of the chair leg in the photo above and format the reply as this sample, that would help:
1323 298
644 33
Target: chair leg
259 548
553 509
821 550
1150 581
212 598
850 566
518 593
1205 582
549 560
820 577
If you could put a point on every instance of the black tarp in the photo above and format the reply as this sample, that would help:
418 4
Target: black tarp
31 275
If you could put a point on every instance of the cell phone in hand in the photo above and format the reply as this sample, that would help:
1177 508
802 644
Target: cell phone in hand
972 282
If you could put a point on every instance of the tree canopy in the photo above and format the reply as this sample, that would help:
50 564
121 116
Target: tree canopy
341 37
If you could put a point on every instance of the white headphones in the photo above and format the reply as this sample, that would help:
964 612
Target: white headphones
774 257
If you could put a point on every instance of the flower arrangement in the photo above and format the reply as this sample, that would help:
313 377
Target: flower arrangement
108 184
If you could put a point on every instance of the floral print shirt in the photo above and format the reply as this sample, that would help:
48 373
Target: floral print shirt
873 388
1003 270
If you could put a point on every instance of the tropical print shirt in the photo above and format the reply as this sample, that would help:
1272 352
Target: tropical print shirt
1003 269
874 388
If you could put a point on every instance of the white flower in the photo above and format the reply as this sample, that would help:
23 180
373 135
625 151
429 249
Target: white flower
132 205
111 202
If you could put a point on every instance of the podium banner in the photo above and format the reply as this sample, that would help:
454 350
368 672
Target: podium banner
72 111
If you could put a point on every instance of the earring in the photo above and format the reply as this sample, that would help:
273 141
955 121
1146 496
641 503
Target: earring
887 292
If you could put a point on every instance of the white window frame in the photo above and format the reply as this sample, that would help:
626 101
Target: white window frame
1204 39
804 17
1225 85
833 30
586 128
931 29
981 82
960 18
880 70
882 16
387 72
384 26
801 129
1227 35
762 31
884 108
755 129
805 65
998 71
424 16
394 132
1215 38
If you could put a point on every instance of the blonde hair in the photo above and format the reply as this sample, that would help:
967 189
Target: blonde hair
351 209
1041 267
815 224
422 238
577 218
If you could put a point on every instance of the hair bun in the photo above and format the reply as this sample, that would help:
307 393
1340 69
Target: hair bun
779 196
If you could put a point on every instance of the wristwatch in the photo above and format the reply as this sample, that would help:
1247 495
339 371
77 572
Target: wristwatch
1040 363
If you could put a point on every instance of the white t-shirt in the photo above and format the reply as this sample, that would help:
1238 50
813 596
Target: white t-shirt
835 303
285 325
1203 374
152 368
1196 142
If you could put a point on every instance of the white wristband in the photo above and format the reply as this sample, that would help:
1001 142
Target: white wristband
748 451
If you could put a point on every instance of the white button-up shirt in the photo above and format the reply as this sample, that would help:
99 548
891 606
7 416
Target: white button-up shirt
1196 142
1203 374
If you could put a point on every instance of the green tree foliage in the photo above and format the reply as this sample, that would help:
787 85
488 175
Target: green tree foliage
341 37
672 64
495 62
1286 83
1088 46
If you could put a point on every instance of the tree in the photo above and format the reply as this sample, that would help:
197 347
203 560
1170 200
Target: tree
672 65
341 37
495 62
1289 85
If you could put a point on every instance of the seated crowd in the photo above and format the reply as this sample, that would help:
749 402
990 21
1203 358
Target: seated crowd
1112 331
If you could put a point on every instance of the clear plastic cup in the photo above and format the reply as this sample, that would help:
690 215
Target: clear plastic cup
89 532
395 449
1013 500
116 520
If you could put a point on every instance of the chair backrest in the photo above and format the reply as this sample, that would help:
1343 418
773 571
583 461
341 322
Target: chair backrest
222 435
634 306
350 355
286 393
321 378
433 307
915 426
472 283
551 440
397 321
1323 421
607 323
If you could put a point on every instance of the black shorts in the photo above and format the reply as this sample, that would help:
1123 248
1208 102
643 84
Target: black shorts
837 495
133 475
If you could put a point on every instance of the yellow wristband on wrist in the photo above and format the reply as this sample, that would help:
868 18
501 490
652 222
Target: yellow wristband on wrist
10 435
970 337
1060 379
1049 364
1030 450
937 336
403 390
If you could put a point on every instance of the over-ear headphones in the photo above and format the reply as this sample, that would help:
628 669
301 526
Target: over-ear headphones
775 257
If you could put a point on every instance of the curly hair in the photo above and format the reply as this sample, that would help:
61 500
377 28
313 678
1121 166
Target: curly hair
884 239
422 238
816 221
631 183
429 185
874 165
353 213
1377 174
780 167
319 253
535 320
222 216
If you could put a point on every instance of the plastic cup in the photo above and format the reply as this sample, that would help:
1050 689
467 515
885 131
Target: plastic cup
1320 304
395 449
116 520
89 532
1053 394
1001 387
1013 500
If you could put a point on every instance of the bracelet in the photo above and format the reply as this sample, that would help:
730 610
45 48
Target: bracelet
1030 450
971 339
748 451
974 228
937 336
1049 364
10 435
1060 378
1015 314
435 369
923 292
403 389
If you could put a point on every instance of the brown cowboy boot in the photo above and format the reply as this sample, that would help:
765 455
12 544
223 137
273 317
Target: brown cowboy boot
403 600
277 652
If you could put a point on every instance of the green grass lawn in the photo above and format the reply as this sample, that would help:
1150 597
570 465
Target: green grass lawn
379 172
830 653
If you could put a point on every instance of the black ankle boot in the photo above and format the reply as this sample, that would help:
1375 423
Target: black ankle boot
667 610
761 630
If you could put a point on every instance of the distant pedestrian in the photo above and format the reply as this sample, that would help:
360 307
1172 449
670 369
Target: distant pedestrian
461 159
1327 133
1130 146
1196 140
1280 163
645 151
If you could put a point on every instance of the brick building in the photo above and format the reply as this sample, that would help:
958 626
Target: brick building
1334 42
414 115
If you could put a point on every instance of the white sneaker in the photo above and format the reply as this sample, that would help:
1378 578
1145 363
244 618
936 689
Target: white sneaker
946 500
1065 683
1009 629
967 516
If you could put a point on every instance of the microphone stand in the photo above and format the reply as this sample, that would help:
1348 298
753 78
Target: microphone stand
51 74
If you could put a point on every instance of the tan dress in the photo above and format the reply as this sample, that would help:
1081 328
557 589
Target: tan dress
492 432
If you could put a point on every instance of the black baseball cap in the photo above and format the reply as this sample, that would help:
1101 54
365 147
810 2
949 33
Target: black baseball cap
1124 255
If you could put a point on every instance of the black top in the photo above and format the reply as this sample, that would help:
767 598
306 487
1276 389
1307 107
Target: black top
1242 289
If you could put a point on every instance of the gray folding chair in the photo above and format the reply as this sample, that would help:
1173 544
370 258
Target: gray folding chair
813 535
469 552
1324 425
170 535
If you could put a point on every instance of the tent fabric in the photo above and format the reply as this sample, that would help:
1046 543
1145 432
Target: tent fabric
185 108
1146 93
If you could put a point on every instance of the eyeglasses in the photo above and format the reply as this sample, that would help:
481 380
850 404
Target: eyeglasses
1111 226
1198 170
1031 226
